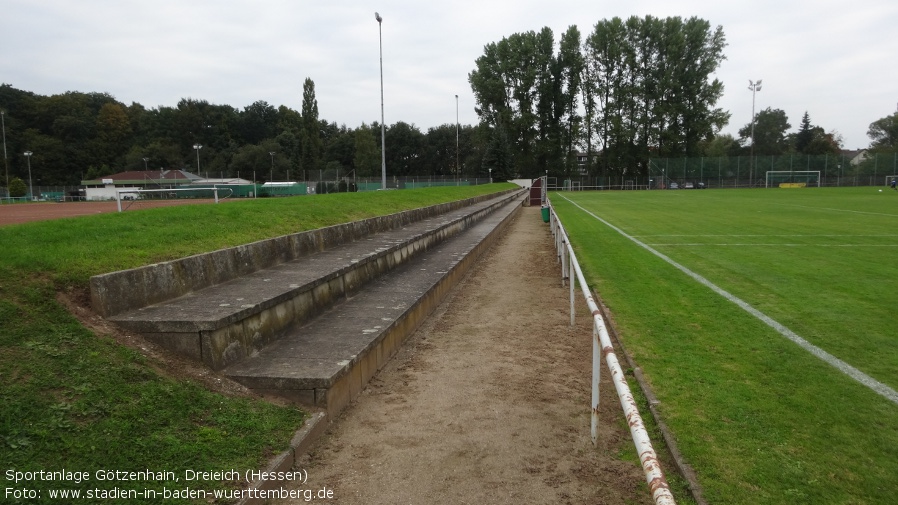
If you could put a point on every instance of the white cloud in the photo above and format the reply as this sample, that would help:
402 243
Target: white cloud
831 58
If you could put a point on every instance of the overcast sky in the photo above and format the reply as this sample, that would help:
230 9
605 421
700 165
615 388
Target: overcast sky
837 60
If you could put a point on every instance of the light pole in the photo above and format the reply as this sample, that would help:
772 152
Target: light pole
271 153
5 163
383 142
457 164
754 87
145 160
491 176
30 187
197 147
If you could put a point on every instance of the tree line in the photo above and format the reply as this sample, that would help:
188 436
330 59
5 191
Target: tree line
78 136
631 90
628 91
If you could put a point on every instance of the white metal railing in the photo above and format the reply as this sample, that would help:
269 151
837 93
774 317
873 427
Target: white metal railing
601 345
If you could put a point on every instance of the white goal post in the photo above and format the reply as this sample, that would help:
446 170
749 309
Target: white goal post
135 195
792 177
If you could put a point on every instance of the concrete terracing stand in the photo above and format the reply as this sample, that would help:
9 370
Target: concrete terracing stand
311 316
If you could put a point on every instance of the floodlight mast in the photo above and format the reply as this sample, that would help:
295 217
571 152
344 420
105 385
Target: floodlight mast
28 155
754 87
383 142
5 163
457 162
197 147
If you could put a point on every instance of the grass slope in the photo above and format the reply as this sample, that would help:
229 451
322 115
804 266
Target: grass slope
760 419
75 401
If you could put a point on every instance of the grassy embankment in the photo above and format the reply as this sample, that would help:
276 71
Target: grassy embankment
77 401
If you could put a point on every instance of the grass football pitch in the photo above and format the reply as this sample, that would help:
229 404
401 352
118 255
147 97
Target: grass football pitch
764 322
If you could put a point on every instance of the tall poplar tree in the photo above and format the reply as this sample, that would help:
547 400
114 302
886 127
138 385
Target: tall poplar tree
568 76
311 130
521 83
650 80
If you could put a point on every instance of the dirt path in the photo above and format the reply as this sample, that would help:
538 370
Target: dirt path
488 403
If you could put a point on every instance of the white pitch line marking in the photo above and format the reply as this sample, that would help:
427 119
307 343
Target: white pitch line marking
876 386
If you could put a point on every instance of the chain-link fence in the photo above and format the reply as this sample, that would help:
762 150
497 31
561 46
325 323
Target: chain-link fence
747 172
43 194
322 182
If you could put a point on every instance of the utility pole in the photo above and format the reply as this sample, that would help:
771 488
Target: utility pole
383 141
5 162
754 87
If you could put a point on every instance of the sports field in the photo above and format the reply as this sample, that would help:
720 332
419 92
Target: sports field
764 321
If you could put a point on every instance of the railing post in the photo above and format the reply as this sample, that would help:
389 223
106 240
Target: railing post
559 240
571 278
596 376
563 251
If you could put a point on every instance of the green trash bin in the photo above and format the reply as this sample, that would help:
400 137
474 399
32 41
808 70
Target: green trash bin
545 213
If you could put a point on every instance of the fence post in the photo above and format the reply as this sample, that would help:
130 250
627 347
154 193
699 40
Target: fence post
596 376
563 252
571 277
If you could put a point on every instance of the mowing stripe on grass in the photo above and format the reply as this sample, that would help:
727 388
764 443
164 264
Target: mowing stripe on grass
840 365
791 235
748 244
838 210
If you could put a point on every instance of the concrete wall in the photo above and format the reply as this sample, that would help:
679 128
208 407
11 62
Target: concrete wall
117 292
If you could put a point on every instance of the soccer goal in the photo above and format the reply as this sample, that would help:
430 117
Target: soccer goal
146 198
890 178
792 178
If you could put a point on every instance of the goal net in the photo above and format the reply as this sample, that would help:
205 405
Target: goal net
793 178
137 198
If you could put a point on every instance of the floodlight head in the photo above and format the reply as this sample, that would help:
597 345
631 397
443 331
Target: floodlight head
378 18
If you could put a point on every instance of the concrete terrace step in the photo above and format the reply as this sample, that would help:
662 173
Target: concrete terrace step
226 322
326 362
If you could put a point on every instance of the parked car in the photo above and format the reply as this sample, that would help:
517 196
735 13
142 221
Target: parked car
674 185
688 185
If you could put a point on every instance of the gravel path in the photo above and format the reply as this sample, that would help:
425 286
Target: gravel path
488 403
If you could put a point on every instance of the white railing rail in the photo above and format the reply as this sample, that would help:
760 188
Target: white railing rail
601 345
